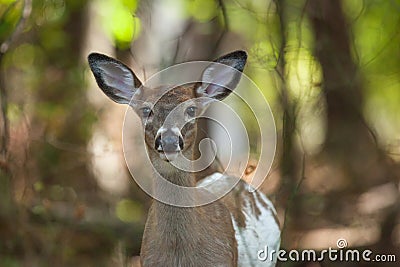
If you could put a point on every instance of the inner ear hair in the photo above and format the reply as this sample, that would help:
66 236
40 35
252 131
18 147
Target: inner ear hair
95 58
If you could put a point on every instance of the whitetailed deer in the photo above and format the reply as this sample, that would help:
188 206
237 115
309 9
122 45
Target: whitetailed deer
227 232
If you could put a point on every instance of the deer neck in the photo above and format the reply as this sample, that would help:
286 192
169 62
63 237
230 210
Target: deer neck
186 236
176 223
166 174
171 173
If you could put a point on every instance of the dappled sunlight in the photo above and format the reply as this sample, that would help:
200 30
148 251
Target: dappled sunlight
108 165
378 198
328 237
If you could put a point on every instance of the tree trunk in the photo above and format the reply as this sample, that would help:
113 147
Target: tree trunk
348 140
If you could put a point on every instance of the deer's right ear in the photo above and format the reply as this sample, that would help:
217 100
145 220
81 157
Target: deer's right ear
114 78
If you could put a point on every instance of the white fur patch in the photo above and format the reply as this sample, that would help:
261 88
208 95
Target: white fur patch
176 130
216 176
261 230
161 131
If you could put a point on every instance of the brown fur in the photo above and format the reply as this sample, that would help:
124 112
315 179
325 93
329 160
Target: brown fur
238 197
175 236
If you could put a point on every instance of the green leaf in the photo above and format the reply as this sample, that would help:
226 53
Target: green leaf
202 10
129 211
121 24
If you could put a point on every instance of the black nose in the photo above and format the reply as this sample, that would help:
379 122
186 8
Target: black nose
168 142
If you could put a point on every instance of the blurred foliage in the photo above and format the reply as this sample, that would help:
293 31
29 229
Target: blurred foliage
10 11
125 26
129 211
63 217
375 29
202 10
52 123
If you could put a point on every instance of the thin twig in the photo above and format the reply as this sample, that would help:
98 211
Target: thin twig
226 24
294 192
26 11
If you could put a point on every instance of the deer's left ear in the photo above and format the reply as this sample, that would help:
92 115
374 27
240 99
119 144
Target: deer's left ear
114 78
220 78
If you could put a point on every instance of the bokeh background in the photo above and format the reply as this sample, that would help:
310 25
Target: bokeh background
330 71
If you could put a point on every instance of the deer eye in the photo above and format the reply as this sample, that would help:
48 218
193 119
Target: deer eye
191 111
146 111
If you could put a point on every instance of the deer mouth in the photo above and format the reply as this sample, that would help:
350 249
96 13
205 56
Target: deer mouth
168 156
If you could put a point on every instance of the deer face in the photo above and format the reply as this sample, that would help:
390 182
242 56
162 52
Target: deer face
168 113
168 118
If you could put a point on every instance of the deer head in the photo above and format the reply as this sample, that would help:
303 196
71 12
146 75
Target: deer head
168 113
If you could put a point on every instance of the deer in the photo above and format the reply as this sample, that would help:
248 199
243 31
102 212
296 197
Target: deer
227 232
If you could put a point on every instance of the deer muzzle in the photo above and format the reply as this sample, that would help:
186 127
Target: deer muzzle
169 141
